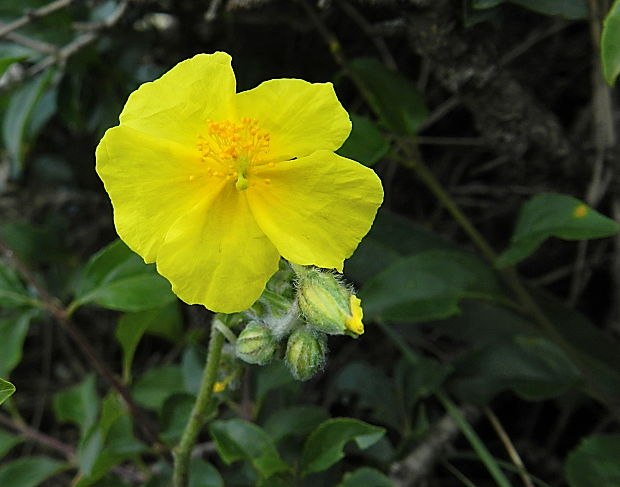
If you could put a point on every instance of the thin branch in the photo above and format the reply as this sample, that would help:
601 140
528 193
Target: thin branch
32 15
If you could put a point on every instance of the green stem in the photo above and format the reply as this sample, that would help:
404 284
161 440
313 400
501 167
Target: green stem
182 452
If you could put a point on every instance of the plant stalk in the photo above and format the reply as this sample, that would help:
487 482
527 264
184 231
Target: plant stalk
182 453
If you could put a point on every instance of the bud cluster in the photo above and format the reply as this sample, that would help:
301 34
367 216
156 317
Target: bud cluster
291 320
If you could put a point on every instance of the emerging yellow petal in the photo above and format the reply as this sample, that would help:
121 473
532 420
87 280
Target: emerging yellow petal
177 105
151 182
354 322
301 117
216 254
316 209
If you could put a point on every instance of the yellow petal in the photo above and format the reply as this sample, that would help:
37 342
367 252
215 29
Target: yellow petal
316 209
151 182
177 105
300 117
217 256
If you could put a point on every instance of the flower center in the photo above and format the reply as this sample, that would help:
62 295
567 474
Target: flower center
237 146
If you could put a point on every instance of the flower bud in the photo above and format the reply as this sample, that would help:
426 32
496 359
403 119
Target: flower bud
328 305
255 344
305 352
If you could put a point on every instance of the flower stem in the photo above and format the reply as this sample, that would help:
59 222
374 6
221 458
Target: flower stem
182 452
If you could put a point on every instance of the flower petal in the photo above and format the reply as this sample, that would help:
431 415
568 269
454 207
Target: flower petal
217 256
315 209
151 182
177 105
300 117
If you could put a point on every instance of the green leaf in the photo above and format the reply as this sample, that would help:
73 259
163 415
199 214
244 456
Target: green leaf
237 439
18 114
533 367
569 9
13 294
324 447
274 376
420 377
158 384
553 215
6 390
594 463
428 286
294 421
610 44
393 97
79 404
116 278
165 322
366 476
203 474
8 441
29 472
6 62
13 331
366 143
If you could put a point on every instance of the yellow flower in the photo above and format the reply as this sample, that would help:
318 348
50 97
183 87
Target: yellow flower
214 186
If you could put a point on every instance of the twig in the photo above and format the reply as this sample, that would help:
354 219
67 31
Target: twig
55 308
44 47
34 14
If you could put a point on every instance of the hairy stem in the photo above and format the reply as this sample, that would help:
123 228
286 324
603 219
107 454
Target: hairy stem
182 453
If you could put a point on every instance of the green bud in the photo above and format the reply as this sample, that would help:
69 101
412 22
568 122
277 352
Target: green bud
327 304
305 352
255 344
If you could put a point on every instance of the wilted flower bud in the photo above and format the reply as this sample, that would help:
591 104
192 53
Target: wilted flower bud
327 304
305 352
256 344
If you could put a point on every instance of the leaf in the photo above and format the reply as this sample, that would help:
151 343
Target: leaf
274 376
294 421
116 278
428 285
13 294
569 9
553 215
594 463
420 377
366 143
393 97
324 447
203 474
158 384
366 476
13 331
8 441
165 322
6 62
533 367
79 404
18 114
237 439
29 471
610 44
6 390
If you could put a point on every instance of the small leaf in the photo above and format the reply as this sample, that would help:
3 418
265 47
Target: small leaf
203 474
6 390
79 404
8 441
6 62
324 447
366 143
131 328
429 285
610 44
569 9
237 439
29 471
116 278
554 215
18 114
13 332
13 294
366 476
294 421
158 384
393 97
594 463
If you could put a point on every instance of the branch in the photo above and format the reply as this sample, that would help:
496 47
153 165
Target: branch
34 14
